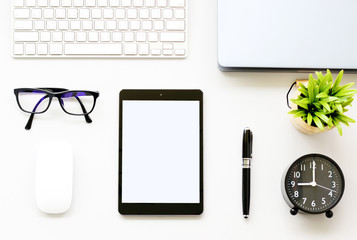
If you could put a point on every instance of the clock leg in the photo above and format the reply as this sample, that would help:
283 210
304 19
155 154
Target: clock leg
329 214
294 211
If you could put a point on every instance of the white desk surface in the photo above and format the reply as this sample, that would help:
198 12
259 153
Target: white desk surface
232 101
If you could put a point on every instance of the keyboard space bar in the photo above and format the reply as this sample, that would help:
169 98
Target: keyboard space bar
92 49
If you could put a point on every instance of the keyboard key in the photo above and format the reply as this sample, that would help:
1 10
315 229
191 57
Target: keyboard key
130 49
63 25
144 13
90 3
25 36
167 46
57 36
179 13
108 13
54 3
18 3
175 25
135 25
48 13
21 13
102 3
87 25
156 13
78 3
129 37
105 36
18 49
60 13
76 25
66 3
114 3
172 37
84 13
132 13
123 25
138 3
51 25
69 37
36 13
93 49
99 25
31 3
158 25
177 3
150 3
81 36
153 37
143 49
42 3
23 25
120 13
40 25
56 48
155 52
161 3
72 13
45 36
111 25
96 13
167 13
141 36
30 49
42 49
147 25
93 37
167 52
117 36
126 3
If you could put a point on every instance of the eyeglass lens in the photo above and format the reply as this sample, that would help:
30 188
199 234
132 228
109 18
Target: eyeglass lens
77 102
33 101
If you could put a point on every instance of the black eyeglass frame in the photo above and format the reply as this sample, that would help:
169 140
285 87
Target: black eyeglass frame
56 92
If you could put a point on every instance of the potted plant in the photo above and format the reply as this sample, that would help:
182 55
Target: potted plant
321 103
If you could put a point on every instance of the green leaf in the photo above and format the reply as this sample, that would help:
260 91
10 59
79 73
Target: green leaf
303 91
331 99
322 95
322 116
337 82
311 88
309 118
318 122
345 93
294 111
345 87
301 103
325 105
344 118
339 108
320 77
300 113
338 126
348 102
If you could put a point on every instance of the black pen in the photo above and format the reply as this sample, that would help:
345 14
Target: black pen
247 157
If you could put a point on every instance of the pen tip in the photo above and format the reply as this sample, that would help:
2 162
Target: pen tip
245 216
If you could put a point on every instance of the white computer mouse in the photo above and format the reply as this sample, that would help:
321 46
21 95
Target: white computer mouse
54 177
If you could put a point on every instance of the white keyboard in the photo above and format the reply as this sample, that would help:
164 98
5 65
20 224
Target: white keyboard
100 28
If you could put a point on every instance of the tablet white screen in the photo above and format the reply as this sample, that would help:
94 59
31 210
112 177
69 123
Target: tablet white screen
160 151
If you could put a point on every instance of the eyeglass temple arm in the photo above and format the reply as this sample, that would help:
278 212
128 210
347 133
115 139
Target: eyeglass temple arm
86 116
29 122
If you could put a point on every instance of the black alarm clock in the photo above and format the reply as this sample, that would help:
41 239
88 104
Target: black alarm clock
313 184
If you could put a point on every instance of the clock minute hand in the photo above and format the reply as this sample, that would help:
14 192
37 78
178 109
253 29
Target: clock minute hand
325 188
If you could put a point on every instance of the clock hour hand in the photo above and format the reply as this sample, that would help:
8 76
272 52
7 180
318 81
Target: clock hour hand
325 188
305 184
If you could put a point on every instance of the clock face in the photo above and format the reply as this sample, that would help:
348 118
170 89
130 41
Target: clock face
314 183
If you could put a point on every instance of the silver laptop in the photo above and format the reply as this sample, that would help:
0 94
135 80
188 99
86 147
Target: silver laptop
290 35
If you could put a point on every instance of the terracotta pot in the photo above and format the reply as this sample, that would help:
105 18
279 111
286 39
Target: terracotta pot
298 123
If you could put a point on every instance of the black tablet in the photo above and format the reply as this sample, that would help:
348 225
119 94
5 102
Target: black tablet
161 152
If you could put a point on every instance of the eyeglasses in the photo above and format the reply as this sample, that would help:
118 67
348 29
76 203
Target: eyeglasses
38 100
